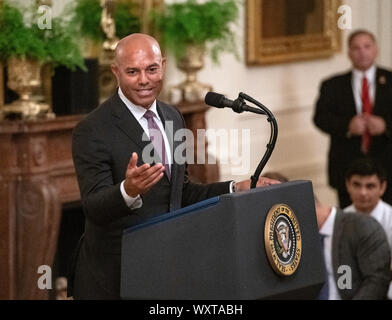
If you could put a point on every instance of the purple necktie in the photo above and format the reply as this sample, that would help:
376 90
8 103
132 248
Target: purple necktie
157 140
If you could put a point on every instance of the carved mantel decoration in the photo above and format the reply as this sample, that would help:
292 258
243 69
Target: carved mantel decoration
36 178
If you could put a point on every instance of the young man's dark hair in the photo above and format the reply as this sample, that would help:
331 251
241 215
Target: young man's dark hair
366 167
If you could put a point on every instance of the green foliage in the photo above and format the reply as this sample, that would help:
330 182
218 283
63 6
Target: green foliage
62 46
88 17
126 22
190 22
20 38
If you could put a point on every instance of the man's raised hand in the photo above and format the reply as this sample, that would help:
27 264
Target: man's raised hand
138 180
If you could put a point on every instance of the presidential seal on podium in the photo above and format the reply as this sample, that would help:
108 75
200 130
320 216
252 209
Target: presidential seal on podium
282 238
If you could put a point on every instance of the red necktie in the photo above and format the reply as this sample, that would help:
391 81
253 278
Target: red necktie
366 108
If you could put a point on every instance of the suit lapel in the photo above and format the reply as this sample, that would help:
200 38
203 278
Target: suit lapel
337 234
168 124
127 123
380 85
349 94
172 125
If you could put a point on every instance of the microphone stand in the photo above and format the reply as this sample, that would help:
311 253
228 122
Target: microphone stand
274 131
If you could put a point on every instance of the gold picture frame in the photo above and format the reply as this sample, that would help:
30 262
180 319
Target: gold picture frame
280 31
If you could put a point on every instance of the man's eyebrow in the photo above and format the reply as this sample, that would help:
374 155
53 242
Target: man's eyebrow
155 64
149 66
371 184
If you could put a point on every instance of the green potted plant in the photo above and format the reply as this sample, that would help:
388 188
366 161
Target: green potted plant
24 47
25 40
87 17
191 23
190 29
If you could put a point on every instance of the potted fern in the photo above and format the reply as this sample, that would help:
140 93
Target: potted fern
24 47
190 29
87 18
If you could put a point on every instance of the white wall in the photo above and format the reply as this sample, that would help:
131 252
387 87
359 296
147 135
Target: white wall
290 91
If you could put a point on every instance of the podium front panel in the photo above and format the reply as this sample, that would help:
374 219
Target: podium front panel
218 252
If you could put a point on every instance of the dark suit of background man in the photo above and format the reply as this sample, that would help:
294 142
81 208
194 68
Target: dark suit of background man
359 242
118 189
355 109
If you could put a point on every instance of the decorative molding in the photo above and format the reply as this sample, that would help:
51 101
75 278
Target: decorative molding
39 148
37 177
38 219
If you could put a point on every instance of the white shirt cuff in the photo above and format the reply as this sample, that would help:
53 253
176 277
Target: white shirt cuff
131 202
231 187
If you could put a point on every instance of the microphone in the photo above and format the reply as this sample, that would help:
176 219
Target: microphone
220 101
239 105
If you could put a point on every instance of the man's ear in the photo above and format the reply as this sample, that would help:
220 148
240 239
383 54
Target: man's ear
114 68
163 65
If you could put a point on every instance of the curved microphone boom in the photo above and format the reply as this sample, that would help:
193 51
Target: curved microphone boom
220 101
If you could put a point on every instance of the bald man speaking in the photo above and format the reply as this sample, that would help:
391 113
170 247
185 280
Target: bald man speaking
118 188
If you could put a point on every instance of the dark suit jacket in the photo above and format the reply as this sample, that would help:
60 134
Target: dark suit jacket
360 242
102 146
334 110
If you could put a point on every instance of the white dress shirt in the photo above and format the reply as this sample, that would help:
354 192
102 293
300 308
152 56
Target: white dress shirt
138 112
356 83
327 231
383 214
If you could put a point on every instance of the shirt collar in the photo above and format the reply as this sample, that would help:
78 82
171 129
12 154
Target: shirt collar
370 73
327 228
377 209
137 111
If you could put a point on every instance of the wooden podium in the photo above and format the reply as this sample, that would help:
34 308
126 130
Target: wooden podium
36 178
